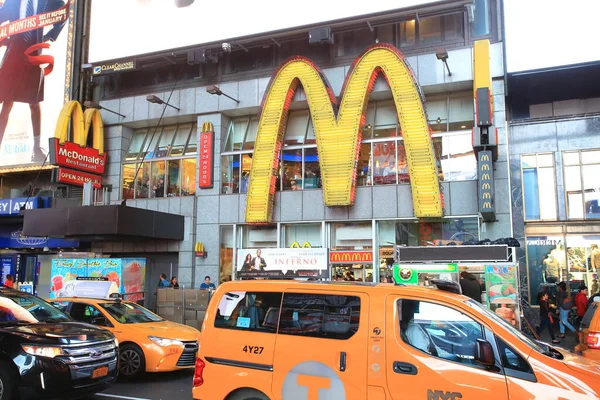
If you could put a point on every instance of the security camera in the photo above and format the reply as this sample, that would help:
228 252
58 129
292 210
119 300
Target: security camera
226 47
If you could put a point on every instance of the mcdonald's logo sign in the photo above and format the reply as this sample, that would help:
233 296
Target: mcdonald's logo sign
206 165
305 245
487 205
199 250
486 189
487 195
486 186
72 152
485 177
349 257
485 167
338 130
485 157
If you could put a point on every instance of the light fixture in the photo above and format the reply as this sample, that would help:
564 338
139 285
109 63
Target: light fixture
157 100
438 120
91 104
213 89
442 55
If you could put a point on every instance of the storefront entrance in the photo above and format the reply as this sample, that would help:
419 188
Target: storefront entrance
352 272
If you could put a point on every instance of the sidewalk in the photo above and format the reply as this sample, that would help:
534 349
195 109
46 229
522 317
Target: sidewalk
567 343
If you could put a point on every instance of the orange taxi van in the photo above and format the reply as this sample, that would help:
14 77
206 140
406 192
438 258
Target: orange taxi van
291 340
589 333
147 342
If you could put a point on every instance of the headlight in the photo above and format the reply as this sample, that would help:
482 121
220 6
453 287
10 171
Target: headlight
116 342
165 342
43 351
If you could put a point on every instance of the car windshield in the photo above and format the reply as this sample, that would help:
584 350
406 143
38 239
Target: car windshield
16 307
514 331
130 313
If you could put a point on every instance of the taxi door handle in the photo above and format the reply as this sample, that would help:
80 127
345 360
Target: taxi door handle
404 368
342 361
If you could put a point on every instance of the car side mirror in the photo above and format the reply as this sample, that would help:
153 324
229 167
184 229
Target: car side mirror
484 353
100 321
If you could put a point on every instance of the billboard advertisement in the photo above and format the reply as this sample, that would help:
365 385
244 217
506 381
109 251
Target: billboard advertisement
282 263
182 23
33 68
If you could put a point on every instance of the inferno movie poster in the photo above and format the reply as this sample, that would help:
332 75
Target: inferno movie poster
33 66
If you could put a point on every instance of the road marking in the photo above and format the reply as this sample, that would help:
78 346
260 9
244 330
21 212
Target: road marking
115 396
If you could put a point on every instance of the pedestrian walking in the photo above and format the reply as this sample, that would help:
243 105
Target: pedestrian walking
581 301
565 304
546 318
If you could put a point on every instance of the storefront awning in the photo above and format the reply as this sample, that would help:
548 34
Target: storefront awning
96 223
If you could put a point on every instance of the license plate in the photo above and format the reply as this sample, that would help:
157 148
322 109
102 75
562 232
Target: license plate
100 372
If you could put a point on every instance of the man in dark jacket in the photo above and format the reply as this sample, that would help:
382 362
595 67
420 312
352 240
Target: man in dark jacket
470 286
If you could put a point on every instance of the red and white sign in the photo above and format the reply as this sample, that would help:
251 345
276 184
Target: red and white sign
77 178
206 167
72 155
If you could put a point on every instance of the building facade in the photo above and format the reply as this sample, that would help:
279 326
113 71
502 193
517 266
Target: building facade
154 162
555 184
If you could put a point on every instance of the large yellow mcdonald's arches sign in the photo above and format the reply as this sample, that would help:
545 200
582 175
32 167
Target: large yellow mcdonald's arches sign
338 130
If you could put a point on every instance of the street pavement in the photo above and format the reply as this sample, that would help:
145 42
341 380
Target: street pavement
157 386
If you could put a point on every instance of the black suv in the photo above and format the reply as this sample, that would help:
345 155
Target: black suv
44 354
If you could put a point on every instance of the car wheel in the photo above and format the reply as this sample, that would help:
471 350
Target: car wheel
247 394
131 361
8 382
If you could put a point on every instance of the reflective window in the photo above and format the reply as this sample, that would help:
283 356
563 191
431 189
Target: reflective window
257 237
433 30
312 169
226 253
481 12
180 140
188 178
539 186
157 179
292 169
439 331
354 42
546 263
128 187
582 184
230 173
363 171
511 360
302 235
258 312
136 145
319 316
174 178
166 141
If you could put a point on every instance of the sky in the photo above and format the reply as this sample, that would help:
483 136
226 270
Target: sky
539 33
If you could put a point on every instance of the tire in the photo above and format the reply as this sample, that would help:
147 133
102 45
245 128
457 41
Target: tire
8 382
247 394
132 363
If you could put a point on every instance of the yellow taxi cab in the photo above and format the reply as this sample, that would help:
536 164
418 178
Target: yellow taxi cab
147 342
589 333
307 340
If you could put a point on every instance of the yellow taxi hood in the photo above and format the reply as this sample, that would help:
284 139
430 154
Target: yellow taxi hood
168 330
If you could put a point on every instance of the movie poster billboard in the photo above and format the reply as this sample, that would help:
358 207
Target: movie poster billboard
34 67
282 263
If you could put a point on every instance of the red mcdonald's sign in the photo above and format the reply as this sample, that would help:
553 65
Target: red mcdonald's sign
205 175
349 257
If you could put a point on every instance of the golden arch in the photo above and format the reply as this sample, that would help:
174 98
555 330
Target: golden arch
338 133
82 121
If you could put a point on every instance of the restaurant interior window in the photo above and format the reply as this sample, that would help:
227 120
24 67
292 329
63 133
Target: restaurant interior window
292 169
386 34
251 134
312 169
363 171
539 186
295 131
235 134
245 176
582 183
230 174
432 30
226 253
481 25
302 234
408 33
174 176
188 178
384 163
355 236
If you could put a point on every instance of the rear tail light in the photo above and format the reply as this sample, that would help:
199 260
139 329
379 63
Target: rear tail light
198 379
593 340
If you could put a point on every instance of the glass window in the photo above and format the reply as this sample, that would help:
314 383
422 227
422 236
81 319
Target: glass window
539 187
453 27
407 33
158 179
251 134
458 158
386 120
128 187
84 312
312 169
439 331
583 261
481 25
292 169
512 361
461 113
143 187
590 157
259 237
226 253
430 30
385 34
403 173
302 234
235 134
188 179
230 174
246 168
319 316
150 145
310 134
353 42
165 141
384 163
546 263
571 158
192 147
174 183
582 184
363 172
136 145
258 312
295 131
180 140
130 313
